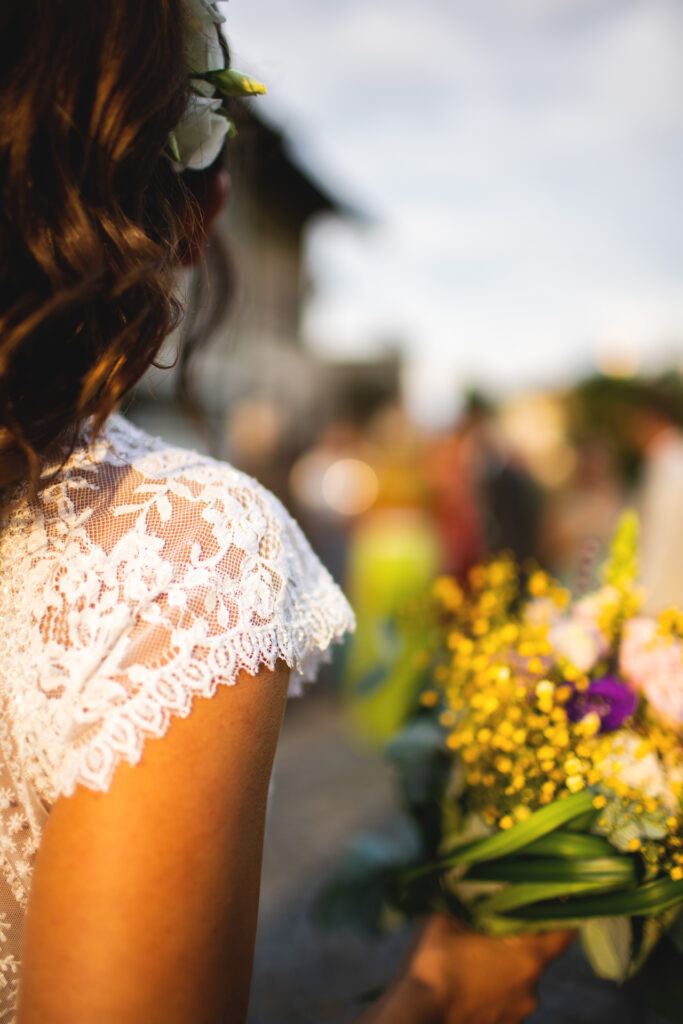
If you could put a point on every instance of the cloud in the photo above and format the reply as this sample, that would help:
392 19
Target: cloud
525 160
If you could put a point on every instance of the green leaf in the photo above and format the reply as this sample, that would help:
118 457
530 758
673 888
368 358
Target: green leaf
607 943
582 822
472 830
538 824
647 900
569 844
173 147
597 869
232 128
513 896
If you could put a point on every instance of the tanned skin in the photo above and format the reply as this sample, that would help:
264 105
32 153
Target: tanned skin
144 899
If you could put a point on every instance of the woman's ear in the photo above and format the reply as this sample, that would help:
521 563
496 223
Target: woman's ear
195 229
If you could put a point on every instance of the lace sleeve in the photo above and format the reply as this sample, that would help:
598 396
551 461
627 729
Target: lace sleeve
235 587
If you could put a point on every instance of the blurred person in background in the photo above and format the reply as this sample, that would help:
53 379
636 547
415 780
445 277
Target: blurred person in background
484 498
136 577
641 419
395 552
655 426
580 517
508 498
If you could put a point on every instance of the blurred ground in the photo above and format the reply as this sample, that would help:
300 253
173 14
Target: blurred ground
326 791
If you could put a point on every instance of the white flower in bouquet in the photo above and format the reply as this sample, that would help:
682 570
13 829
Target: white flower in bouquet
578 636
542 611
589 609
581 643
633 762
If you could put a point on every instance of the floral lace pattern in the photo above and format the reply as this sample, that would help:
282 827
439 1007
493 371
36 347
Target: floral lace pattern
143 576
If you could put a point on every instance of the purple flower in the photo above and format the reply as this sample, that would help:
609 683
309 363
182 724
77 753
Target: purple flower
609 698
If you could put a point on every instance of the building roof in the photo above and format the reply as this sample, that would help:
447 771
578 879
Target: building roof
278 175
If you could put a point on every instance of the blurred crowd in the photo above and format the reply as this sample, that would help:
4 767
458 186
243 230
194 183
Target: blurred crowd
543 475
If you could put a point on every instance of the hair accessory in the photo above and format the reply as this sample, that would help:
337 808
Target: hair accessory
198 137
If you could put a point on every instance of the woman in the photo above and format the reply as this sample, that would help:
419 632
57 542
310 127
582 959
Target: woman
134 577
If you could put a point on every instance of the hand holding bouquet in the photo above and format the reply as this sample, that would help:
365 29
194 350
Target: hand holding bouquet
558 734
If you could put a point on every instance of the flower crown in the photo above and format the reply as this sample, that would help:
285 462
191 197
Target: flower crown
198 137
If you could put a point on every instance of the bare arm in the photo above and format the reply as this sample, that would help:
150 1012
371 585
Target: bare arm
144 899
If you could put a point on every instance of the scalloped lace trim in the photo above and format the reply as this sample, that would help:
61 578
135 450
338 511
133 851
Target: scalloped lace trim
123 732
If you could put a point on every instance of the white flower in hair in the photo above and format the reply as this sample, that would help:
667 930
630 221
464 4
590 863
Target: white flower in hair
202 37
198 137
200 134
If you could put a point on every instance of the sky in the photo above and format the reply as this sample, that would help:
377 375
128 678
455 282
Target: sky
520 163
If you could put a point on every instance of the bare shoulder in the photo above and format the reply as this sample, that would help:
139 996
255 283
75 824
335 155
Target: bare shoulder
144 899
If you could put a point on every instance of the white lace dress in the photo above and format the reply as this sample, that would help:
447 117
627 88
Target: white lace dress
143 576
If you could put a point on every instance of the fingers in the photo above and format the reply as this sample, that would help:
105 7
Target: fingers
524 1009
549 945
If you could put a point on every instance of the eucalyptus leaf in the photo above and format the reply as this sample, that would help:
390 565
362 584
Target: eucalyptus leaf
421 738
359 893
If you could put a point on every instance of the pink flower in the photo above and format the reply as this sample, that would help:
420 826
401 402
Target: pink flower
653 665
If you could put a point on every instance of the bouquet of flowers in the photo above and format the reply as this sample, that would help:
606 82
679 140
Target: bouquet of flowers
556 772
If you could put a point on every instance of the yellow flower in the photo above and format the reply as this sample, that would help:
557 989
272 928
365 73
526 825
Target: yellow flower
538 584
447 591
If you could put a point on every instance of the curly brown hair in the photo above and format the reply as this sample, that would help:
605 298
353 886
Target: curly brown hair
90 213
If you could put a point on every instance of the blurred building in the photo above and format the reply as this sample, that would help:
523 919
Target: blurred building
257 384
